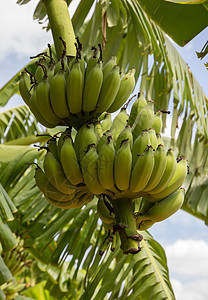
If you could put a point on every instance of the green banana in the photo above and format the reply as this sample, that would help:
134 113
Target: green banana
44 104
109 65
89 170
106 122
144 119
103 139
105 211
69 162
122 166
39 73
56 175
64 134
52 146
153 138
142 170
137 106
85 136
139 145
119 122
35 110
164 208
73 203
109 90
84 198
157 123
159 139
74 88
92 88
48 189
24 87
124 134
170 168
58 95
160 161
126 87
91 62
98 129
106 164
176 181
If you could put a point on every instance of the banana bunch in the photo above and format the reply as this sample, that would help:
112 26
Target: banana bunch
17 259
71 92
61 180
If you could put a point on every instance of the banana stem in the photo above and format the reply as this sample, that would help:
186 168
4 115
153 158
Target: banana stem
126 225
61 26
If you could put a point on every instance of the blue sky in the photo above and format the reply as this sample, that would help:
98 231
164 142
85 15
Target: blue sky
184 237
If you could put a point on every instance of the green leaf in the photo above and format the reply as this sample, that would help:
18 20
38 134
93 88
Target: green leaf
181 22
5 274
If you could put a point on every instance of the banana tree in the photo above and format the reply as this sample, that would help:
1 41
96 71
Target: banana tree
63 245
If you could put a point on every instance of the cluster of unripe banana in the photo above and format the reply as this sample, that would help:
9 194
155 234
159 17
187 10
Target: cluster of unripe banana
124 163
70 92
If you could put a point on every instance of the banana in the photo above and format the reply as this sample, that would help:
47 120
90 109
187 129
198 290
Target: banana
109 90
139 145
105 211
91 62
122 166
98 129
73 203
85 198
24 87
85 136
69 162
124 134
43 102
92 88
106 164
160 161
64 134
164 208
74 88
142 170
109 65
144 120
48 189
153 138
126 87
137 106
39 73
167 175
56 175
159 139
103 139
35 110
119 122
176 181
58 95
52 146
106 122
89 170
157 123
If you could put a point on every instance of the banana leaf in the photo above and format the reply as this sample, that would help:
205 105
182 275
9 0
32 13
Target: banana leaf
181 22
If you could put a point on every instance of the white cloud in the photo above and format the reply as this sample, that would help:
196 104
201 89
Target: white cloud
194 290
188 258
188 266
20 33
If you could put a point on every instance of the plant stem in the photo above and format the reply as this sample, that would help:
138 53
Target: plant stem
126 225
61 26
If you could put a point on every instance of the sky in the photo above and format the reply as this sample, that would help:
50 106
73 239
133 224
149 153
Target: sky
184 238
